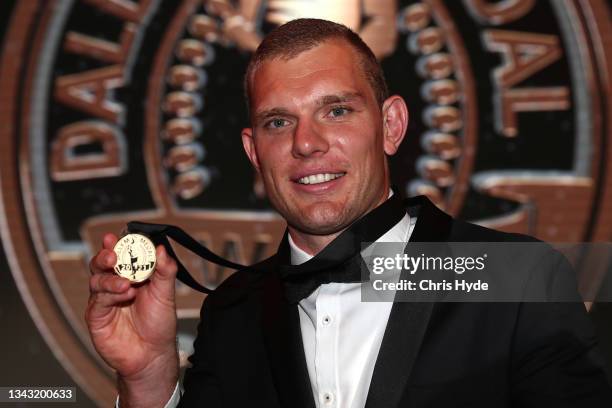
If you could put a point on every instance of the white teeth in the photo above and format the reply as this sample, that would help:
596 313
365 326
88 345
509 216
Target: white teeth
319 178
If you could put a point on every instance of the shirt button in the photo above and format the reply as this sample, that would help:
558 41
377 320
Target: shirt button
328 398
326 321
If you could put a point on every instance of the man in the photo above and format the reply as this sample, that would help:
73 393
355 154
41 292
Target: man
292 331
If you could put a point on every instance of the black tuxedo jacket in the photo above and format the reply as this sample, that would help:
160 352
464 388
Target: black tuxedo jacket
249 350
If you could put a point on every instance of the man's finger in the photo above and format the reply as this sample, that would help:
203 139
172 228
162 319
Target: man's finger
101 303
103 261
109 241
106 300
108 283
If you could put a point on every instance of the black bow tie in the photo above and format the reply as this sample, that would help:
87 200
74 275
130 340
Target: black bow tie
340 261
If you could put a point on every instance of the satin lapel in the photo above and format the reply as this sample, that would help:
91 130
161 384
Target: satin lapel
408 322
398 351
283 340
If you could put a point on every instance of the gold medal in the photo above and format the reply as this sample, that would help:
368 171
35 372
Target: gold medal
135 257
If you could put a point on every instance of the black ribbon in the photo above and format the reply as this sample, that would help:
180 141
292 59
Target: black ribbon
159 233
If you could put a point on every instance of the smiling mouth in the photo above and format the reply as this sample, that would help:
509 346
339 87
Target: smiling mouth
319 178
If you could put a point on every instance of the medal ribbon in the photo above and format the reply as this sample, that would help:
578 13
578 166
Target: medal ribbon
159 233
338 262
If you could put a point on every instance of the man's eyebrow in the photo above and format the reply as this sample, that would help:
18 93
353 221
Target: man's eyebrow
260 116
339 98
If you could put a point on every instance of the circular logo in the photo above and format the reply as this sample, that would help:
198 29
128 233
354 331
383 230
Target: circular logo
135 257
121 110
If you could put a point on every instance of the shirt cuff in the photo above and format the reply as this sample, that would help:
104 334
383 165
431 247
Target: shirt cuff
172 402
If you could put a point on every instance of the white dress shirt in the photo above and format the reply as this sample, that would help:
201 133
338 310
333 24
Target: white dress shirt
341 334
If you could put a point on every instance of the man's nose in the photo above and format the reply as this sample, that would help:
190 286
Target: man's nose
309 139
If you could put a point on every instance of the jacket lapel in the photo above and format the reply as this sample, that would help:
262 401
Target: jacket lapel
398 351
283 341
408 321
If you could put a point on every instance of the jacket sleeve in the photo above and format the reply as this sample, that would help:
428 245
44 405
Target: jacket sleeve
556 361
201 385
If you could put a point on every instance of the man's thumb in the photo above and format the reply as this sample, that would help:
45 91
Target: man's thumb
166 266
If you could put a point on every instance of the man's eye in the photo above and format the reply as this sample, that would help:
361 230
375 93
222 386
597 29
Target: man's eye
276 123
339 111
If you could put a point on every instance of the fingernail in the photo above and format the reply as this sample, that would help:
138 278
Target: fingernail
119 285
108 259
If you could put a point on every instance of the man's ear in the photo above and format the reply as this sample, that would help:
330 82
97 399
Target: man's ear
395 123
248 142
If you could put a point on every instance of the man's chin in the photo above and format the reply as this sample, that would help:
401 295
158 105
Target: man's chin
320 230
321 217
327 225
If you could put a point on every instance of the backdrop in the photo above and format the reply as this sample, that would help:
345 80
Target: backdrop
114 110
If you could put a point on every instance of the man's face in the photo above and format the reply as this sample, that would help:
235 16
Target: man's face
318 139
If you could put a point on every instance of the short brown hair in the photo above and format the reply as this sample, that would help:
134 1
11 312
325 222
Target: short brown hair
290 39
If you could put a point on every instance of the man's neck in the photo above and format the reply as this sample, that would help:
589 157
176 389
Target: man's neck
313 244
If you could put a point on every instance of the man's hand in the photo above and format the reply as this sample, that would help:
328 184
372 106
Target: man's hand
133 327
